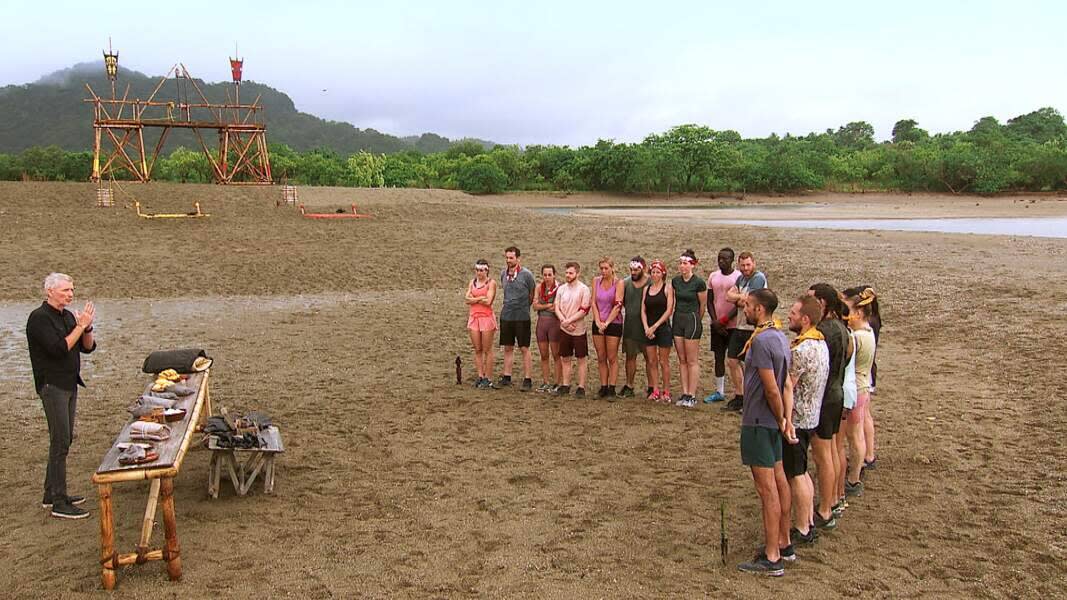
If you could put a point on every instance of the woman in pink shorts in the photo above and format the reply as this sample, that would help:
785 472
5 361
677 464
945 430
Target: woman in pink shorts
544 303
481 323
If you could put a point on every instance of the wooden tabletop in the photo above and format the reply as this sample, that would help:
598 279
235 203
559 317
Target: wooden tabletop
171 451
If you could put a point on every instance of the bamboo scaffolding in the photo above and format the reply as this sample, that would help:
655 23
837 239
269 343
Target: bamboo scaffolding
232 120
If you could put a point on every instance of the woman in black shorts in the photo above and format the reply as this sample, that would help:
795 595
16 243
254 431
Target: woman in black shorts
657 306
690 302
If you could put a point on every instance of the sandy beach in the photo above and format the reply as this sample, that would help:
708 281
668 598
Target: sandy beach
398 483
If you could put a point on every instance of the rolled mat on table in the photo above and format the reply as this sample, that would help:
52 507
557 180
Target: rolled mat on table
180 360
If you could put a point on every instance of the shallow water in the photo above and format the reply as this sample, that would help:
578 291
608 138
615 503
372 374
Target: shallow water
1054 227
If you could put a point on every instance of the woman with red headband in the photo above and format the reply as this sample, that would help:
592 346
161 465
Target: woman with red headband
481 323
657 306
690 302
607 325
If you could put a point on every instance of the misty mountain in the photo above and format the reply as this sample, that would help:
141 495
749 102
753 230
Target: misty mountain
50 111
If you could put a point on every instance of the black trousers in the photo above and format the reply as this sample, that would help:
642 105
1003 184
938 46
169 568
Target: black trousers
59 409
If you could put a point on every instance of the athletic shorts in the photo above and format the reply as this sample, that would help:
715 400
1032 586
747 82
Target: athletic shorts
515 333
687 325
573 345
760 446
547 328
855 416
829 420
481 323
612 330
738 339
716 342
663 336
795 456
632 348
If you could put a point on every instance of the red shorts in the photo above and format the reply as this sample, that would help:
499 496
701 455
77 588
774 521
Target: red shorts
548 329
573 345
855 416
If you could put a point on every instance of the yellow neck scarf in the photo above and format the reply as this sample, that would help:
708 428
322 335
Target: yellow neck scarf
764 326
810 334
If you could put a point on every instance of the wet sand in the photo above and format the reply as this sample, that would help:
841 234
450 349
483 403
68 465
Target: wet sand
398 483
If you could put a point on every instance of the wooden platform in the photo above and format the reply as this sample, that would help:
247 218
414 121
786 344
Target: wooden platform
243 472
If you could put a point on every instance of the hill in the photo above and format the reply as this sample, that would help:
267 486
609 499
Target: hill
50 112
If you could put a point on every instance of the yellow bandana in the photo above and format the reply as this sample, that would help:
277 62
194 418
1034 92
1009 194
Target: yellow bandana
772 324
810 334
866 297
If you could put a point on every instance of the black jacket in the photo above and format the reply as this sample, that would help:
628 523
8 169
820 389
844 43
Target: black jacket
46 332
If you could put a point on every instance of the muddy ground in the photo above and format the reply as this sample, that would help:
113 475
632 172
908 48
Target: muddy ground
398 483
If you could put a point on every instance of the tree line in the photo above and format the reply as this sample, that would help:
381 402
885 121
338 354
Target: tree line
1028 153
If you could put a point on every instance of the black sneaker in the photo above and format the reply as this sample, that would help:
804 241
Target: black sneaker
611 393
602 392
527 385
66 510
802 539
762 566
839 508
580 392
734 405
75 500
505 381
788 554
853 489
561 390
825 524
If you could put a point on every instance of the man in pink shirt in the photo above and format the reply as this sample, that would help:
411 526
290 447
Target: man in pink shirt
572 303
722 313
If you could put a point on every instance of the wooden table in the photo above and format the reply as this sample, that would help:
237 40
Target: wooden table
161 473
243 473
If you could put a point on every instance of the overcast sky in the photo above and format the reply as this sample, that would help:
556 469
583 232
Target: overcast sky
570 72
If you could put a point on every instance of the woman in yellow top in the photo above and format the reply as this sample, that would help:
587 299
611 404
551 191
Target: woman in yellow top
859 312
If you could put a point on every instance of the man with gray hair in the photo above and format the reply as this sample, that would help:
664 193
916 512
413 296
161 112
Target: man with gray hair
57 338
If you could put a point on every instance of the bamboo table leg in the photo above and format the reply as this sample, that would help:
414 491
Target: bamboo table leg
268 476
214 474
107 538
172 550
149 521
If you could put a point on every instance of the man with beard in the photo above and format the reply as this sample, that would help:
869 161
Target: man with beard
633 332
517 283
808 370
765 420
749 281
573 301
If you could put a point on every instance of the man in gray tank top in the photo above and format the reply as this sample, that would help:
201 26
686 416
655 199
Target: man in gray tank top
518 284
